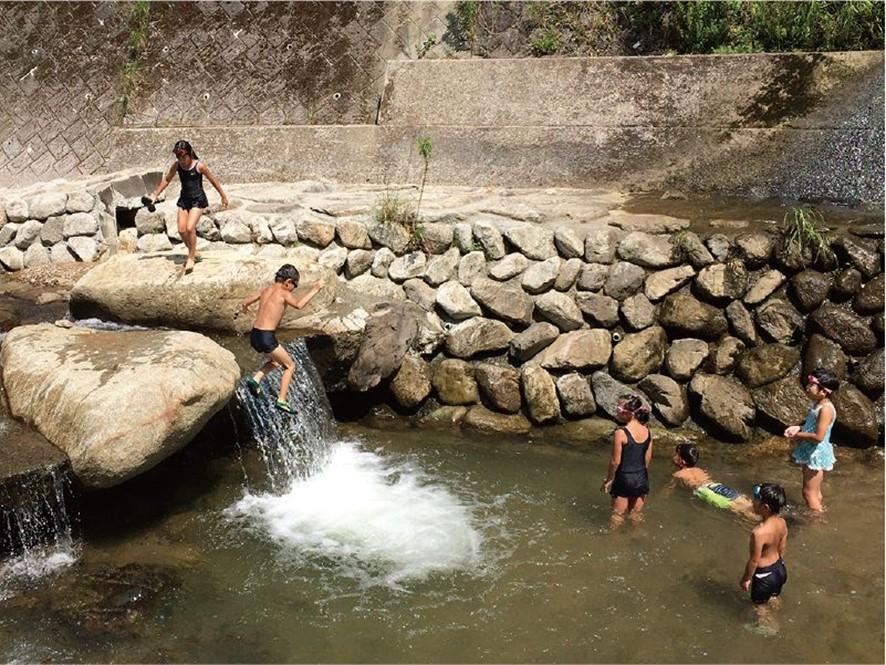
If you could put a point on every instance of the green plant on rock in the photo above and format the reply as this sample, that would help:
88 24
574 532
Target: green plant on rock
130 73
392 208
427 45
423 143
804 229
546 43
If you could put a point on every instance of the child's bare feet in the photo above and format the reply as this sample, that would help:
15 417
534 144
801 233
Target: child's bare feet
189 266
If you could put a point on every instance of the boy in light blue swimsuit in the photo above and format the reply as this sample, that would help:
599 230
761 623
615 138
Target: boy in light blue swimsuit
814 451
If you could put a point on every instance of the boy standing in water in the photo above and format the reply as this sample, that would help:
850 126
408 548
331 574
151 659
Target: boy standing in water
765 573
272 303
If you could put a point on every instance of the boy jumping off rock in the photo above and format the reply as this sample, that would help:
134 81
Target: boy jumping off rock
272 303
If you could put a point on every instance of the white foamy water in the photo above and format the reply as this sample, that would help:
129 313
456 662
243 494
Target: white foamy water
98 324
19 571
382 521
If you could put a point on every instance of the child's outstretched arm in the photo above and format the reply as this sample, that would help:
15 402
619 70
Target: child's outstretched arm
164 183
618 439
305 299
244 306
210 176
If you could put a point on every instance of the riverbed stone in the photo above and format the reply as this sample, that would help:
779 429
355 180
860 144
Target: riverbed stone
767 363
443 417
637 312
868 374
388 335
723 354
599 310
650 251
500 385
766 283
481 419
663 282
576 398
601 244
381 263
783 402
471 267
420 293
12 258
16 210
755 248
684 356
608 390
153 242
570 244
53 230
541 394
83 224
150 392
80 201
684 316
412 382
358 262
540 276
534 242
442 268
489 237
145 221
478 336
560 309
456 301
85 249
58 253
351 234
454 382
510 266
44 206
847 282
233 231
825 353
532 340
569 271
27 233
719 245
592 277
856 417
207 229
7 233
862 253
504 300
639 354
650 223
742 323
437 238
463 237
844 327
667 397
693 249
624 280
374 287
780 321
722 282
394 236
726 404
334 258
36 255
577 350
870 299
408 266
809 289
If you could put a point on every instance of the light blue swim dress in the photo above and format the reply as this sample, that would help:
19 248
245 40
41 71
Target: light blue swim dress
817 456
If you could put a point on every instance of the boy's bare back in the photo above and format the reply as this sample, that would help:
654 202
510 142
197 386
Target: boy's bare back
692 477
772 534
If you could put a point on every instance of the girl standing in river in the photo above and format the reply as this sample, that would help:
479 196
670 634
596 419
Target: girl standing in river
814 451
628 477
192 201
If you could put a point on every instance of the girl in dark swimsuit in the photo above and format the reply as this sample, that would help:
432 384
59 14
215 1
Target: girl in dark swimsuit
192 200
628 477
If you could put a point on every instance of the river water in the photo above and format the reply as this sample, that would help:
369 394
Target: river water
422 546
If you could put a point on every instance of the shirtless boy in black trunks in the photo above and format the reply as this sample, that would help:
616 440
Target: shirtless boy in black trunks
765 573
272 303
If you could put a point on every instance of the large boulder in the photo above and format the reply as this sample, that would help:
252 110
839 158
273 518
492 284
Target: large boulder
575 394
870 299
350 233
742 323
442 267
724 354
412 383
503 300
580 349
624 280
540 276
868 374
684 356
608 390
149 290
856 417
781 403
780 321
861 252
534 242
651 251
532 340
639 354
684 316
765 364
725 404
601 243
846 284
116 402
508 267
598 309
388 335
663 282
755 248
844 327
824 353
637 312
500 385
560 309
481 419
722 282
668 398
541 394
478 336
768 282
489 238
809 289
454 382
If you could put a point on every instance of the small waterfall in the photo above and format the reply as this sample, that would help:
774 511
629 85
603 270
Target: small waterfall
293 446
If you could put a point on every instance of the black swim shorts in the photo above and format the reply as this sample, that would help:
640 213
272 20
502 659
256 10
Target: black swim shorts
630 484
263 341
768 581
188 202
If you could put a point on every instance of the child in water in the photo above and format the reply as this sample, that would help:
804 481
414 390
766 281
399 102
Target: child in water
628 477
272 303
765 573
814 451
192 201
695 478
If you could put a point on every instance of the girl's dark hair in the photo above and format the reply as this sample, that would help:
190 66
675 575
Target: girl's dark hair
825 378
183 147
634 405
773 496
688 452
287 271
